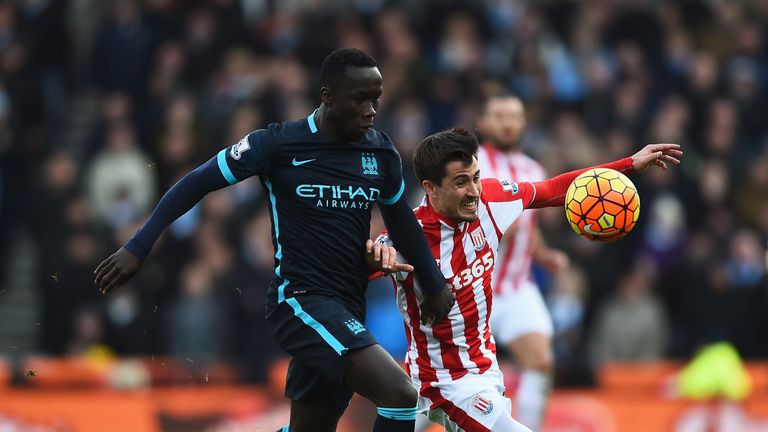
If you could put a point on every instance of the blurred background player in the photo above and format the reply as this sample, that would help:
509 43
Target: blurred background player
323 174
453 362
521 322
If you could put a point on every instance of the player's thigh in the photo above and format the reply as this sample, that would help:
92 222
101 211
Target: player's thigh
305 383
518 313
374 374
318 332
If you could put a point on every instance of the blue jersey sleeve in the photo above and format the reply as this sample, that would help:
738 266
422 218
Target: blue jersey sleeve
408 238
394 184
177 201
251 156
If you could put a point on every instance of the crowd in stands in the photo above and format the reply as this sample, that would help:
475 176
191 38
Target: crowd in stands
104 105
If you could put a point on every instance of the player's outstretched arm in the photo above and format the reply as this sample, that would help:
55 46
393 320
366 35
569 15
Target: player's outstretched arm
408 237
122 265
551 192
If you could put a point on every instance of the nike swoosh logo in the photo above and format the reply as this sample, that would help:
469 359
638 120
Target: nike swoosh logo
588 230
300 163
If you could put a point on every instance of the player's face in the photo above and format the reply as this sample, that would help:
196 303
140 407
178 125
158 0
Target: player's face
503 122
458 195
354 102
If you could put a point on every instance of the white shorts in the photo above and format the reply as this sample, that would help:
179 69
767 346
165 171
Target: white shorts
519 312
471 403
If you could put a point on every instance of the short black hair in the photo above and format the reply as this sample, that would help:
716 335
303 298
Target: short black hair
335 64
435 151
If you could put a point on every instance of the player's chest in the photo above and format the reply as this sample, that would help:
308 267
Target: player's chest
471 254
333 178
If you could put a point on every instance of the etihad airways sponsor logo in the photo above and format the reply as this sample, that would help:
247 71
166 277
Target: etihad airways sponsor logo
339 196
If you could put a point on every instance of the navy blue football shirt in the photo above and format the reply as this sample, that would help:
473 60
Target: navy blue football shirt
321 193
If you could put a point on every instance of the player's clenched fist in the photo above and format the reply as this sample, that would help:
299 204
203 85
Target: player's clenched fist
435 308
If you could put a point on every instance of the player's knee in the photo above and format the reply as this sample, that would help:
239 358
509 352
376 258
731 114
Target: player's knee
400 394
541 358
543 361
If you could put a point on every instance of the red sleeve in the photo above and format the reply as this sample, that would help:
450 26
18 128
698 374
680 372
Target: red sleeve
551 192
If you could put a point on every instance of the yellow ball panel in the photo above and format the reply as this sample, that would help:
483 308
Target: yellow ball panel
618 185
580 193
606 221
609 174
582 180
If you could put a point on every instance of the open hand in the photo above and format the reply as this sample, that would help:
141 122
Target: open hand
383 258
656 154
116 270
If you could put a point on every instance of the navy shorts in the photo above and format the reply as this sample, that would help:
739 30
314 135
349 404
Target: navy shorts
317 331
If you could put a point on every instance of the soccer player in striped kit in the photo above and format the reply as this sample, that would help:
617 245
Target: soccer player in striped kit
522 322
453 362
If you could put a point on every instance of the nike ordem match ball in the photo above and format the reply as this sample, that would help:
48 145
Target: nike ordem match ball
602 205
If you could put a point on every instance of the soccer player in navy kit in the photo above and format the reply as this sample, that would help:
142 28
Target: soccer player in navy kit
323 174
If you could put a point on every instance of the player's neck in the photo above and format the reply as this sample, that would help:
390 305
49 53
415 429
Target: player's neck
324 125
440 213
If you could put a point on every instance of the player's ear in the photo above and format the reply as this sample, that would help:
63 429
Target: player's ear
429 187
326 96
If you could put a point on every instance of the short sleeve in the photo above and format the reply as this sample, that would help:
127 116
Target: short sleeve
394 184
250 156
506 200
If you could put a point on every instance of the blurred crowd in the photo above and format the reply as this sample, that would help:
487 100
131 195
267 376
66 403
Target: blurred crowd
105 104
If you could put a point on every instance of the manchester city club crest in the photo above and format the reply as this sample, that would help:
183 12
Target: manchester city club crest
370 166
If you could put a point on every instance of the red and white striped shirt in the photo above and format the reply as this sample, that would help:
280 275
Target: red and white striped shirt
513 266
466 254
461 343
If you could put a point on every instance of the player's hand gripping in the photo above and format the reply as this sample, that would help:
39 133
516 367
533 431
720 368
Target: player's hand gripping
435 308
116 270
380 257
656 154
